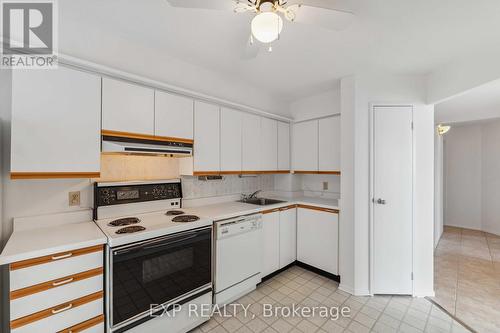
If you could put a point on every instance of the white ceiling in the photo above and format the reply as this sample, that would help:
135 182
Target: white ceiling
477 104
396 36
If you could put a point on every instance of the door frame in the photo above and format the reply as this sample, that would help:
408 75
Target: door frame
372 185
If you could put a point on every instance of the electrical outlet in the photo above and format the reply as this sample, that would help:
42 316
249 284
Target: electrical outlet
325 186
74 198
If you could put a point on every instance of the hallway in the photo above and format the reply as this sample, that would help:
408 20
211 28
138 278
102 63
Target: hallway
467 277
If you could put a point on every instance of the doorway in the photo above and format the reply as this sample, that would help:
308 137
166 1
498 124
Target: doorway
392 200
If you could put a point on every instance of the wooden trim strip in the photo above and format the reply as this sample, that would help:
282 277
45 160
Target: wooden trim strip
54 257
144 136
84 325
328 210
55 310
52 175
15 294
269 211
288 207
220 173
317 172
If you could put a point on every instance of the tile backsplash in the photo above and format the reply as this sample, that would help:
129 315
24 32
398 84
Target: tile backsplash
193 188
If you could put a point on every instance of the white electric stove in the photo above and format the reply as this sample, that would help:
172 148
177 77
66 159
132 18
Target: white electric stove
159 256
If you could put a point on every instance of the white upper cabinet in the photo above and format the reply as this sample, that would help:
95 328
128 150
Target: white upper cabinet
173 115
283 146
305 146
269 144
206 152
55 123
127 107
329 144
230 140
250 144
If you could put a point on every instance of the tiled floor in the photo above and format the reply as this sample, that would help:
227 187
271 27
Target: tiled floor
467 277
383 314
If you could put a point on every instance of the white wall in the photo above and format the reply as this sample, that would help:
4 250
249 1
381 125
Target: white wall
472 180
438 188
462 161
491 177
320 105
380 88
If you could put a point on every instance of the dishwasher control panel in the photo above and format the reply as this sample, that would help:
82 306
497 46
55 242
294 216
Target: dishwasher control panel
238 226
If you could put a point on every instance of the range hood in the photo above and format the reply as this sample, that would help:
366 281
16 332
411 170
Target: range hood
147 146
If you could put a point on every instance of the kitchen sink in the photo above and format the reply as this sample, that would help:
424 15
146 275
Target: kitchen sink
261 201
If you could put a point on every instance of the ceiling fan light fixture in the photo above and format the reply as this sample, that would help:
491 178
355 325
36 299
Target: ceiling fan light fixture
267 26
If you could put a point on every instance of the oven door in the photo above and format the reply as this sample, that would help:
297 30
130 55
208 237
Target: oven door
163 270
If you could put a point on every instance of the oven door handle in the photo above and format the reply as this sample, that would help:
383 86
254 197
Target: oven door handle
157 244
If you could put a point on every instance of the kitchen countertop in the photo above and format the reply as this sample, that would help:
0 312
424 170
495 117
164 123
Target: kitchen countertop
37 242
225 210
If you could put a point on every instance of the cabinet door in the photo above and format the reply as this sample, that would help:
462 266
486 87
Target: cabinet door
127 107
288 236
283 146
250 144
206 151
173 115
270 243
56 123
305 146
269 144
317 239
329 144
230 140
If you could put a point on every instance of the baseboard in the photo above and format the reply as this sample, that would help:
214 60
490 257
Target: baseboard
318 271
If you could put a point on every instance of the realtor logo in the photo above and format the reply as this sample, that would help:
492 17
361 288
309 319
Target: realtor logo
28 34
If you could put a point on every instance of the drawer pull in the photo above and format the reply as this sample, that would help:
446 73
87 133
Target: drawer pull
67 255
67 307
59 283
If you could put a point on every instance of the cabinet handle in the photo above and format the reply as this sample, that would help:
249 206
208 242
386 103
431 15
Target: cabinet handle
67 255
59 283
67 307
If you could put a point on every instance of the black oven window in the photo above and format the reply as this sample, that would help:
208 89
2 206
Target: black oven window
159 273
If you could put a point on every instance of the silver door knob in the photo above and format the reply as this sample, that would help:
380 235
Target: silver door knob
381 201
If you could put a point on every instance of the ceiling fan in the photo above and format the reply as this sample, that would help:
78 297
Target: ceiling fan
267 23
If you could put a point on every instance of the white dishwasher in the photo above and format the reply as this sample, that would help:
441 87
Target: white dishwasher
237 257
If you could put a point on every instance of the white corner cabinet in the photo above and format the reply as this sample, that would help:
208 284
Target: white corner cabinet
279 236
56 123
316 146
318 237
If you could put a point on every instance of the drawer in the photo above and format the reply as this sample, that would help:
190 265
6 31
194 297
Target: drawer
35 271
60 317
94 325
46 295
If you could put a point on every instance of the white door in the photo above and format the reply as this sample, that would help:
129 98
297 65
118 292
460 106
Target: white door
392 205
283 146
269 144
230 140
250 143
288 236
127 107
270 242
305 146
206 152
329 144
173 115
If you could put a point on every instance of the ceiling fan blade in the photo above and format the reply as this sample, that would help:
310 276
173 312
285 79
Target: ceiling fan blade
203 4
251 50
330 19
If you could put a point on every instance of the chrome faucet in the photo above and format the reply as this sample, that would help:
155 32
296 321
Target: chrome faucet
250 196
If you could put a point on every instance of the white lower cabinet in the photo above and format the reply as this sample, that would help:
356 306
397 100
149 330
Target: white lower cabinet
61 292
318 237
288 235
270 242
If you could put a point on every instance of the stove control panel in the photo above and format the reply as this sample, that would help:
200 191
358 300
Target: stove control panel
122 194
